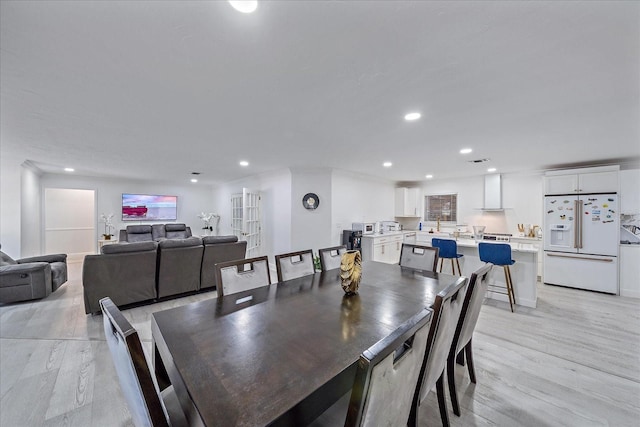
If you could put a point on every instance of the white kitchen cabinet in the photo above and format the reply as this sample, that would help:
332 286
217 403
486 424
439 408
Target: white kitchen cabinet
408 202
630 271
592 180
382 248
536 243
630 191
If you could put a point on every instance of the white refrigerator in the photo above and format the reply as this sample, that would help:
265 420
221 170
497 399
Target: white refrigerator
581 240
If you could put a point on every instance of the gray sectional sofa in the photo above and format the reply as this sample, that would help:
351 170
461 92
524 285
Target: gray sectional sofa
155 232
150 270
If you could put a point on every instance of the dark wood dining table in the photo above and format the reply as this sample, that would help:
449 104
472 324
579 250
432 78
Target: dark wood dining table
282 354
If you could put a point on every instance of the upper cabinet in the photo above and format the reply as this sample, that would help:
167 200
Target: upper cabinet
408 202
582 181
630 192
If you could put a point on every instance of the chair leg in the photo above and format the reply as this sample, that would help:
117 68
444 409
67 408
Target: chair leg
441 262
459 270
468 350
451 377
460 358
453 268
509 292
442 403
513 294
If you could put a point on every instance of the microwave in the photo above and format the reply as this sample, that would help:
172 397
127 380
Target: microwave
365 227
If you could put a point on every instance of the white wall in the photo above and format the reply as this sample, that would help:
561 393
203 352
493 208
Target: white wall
10 205
522 196
30 212
311 229
192 199
358 198
275 190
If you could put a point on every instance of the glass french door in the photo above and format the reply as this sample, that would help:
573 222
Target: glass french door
245 220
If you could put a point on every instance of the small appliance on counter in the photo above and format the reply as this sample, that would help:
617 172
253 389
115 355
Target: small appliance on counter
478 232
388 226
497 237
352 239
364 227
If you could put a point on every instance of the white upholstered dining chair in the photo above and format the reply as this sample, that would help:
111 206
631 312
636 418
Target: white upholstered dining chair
242 275
330 258
294 265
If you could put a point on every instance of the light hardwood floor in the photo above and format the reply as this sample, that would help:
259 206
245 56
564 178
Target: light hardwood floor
573 361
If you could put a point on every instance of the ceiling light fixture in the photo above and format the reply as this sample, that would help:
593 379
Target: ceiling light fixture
412 116
244 6
194 180
387 164
244 163
69 170
491 170
466 151
428 176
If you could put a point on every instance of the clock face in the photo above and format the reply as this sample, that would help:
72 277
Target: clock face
310 201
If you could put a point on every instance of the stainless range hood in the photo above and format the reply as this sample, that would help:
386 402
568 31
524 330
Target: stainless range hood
492 193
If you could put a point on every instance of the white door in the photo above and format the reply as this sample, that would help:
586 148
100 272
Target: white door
69 222
600 225
245 220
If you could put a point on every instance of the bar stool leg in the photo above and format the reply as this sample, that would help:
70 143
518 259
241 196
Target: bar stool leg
508 283
453 267
513 294
441 262
459 270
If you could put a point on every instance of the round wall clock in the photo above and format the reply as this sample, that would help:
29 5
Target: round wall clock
310 201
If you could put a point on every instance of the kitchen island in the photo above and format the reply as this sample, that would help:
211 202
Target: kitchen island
524 272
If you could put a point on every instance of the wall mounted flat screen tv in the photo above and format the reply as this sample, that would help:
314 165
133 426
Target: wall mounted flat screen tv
147 207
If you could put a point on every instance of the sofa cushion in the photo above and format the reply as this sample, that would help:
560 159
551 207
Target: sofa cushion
139 233
119 248
175 227
158 232
6 259
180 243
177 231
212 240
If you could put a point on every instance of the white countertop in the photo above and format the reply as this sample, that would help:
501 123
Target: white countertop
515 247
388 234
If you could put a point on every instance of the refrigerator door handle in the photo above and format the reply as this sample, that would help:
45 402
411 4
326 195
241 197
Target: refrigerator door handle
580 205
581 257
576 228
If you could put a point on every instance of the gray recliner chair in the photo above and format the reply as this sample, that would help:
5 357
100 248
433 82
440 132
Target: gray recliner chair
136 233
126 273
219 249
179 263
31 278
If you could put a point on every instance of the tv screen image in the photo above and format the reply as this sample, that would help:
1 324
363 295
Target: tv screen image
146 207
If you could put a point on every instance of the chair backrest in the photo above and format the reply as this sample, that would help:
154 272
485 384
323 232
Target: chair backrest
419 257
139 389
495 253
476 291
448 248
330 258
177 231
294 265
446 312
388 372
242 274
139 233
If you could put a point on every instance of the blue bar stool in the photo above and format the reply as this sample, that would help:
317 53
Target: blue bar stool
499 254
448 249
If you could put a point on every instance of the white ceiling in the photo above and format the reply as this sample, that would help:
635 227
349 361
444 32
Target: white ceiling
158 89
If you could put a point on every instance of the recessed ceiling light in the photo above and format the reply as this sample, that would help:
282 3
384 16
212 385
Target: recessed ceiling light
194 180
387 164
69 170
244 6
412 116
428 176
466 151
244 163
491 170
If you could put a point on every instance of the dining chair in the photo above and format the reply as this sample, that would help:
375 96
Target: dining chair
147 406
499 254
385 380
464 331
446 312
330 258
242 275
448 250
419 257
294 265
